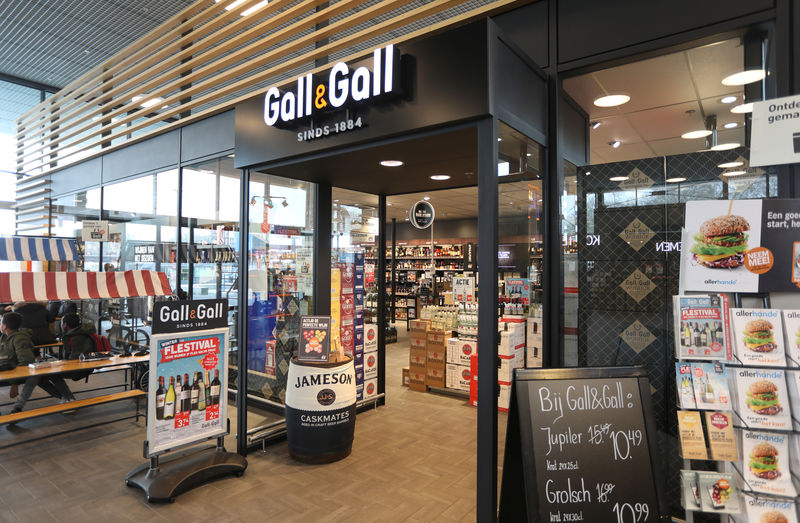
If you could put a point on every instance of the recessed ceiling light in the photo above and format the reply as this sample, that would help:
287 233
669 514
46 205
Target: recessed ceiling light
614 144
335 201
391 163
499 139
426 198
745 77
595 125
440 177
725 146
618 178
406 219
734 173
588 173
676 180
728 99
728 165
389 204
528 154
691 135
743 108
612 100
730 125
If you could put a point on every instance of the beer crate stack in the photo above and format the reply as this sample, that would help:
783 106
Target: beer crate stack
418 354
534 342
511 352
458 369
436 363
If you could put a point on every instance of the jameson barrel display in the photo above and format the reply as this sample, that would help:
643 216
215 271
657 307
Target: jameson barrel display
320 410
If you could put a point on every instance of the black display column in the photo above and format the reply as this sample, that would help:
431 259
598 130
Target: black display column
322 250
487 321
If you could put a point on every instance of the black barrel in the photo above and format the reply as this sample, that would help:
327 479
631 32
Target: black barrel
320 410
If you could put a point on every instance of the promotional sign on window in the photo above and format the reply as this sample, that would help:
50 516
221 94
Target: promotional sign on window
775 136
95 230
186 396
422 214
315 345
742 246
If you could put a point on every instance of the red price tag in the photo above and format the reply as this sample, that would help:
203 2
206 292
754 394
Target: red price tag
212 412
210 361
182 420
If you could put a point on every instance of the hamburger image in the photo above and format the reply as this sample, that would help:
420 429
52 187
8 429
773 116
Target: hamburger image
764 462
762 398
721 242
773 516
758 336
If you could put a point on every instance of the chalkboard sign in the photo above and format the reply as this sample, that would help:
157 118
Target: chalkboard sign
579 447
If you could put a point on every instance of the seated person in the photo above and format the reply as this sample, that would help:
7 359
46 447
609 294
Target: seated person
77 337
37 318
17 346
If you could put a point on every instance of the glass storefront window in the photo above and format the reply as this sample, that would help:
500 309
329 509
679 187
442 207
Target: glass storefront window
143 235
67 215
280 284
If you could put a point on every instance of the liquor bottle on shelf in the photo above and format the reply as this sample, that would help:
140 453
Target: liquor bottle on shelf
195 393
215 388
201 392
160 394
178 392
169 400
186 394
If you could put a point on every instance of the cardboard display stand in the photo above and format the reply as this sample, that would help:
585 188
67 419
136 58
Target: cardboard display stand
190 338
580 446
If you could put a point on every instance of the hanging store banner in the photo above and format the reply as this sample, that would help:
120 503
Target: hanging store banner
186 396
742 246
775 138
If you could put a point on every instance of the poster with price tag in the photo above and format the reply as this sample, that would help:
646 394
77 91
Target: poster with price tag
592 434
186 396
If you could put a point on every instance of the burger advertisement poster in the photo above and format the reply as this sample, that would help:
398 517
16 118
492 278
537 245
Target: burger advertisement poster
763 399
765 510
741 245
765 465
758 337
793 382
791 322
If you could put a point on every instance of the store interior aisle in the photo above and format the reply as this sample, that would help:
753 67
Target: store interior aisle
412 460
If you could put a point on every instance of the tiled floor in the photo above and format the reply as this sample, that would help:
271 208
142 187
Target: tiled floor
412 460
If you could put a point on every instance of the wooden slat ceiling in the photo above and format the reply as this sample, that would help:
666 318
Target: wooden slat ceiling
212 55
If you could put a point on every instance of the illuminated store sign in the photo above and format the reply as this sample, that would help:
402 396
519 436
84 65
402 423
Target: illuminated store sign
343 87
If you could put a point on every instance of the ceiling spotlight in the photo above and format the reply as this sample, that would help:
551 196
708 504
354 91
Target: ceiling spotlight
426 198
725 146
743 108
728 165
499 139
285 203
391 163
734 173
388 204
612 100
730 125
588 173
618 178
728 99
440 177
691 135
335 201
615 144
528 154
745 77
676 180
595 125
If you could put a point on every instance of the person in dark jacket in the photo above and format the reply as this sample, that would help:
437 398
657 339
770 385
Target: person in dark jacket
37 318
16 344
77 337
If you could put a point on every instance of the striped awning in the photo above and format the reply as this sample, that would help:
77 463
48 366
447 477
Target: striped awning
37 248
48 286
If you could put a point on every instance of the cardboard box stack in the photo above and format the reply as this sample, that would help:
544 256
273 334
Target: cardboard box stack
418 355
436 347
511 351
458 363
533 349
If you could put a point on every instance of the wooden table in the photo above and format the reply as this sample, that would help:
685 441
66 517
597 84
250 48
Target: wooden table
63 366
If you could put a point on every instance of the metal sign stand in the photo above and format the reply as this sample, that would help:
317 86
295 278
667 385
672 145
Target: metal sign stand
163 481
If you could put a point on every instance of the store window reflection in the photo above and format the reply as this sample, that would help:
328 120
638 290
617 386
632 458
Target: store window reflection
67 216
280 285
143 235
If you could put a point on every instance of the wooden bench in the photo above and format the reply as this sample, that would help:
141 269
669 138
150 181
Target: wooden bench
74 405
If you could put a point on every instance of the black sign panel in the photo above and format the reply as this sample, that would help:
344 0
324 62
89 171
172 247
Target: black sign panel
316 342
470 263
579 447
422 214
190 315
